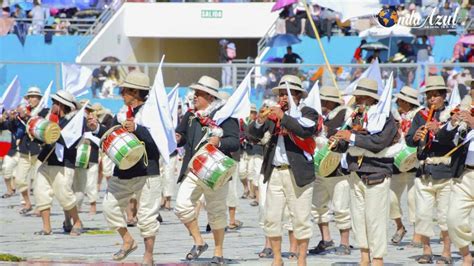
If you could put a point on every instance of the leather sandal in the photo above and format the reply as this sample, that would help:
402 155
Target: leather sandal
43 233
425 259
398 236
122 254
444 260
266 253
196 251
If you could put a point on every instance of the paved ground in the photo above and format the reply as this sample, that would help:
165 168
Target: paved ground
173 241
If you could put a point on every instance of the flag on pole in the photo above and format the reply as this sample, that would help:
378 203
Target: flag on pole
73 130
313 100
11 97
373 72
238 105
75 78
44 100
378 116
455 98
158 118
173 100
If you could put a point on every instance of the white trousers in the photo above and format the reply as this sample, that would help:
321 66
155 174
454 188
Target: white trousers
232 195
369 208
54 181
9 166
27 167
170 172
250 166
189 194
398 184
282 191
262 188
335 190
85 183
107 165
148 192
461 207
431 193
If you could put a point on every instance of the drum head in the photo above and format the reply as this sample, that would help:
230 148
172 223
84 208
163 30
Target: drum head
52 133
329 163
132 157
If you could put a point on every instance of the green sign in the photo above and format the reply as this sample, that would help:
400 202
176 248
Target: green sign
209 13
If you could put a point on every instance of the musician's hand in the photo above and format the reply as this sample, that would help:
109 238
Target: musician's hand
262 118
277 111
344 135
419 134
178 137
214 141
467 117
129 125
455 119
433 127
92 123
332 140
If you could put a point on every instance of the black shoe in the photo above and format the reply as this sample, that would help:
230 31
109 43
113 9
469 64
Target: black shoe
218 260
159 218
323 247
208 228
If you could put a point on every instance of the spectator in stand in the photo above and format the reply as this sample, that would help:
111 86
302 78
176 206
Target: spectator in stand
98 78
446 9
406 49
39 16
227 52
112 81
358 53
19 12
423 50
291 58
374 56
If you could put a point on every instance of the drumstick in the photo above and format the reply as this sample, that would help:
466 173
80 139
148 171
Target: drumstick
430 116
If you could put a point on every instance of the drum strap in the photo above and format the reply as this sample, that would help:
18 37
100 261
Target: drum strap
145 155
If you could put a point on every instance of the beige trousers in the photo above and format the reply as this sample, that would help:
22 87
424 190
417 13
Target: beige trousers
170 173
107 165
189 194
148 193
9 166
369 208
250 168
232 196
398 184
26 164
431 193
281 191
262 188
334 189
54 181
85 183
461 207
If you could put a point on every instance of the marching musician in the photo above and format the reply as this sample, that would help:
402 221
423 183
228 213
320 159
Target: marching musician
191 133
56 173
10 160
408 107
435 173
28 147
142 179
370 161
335 186
288 166
461 204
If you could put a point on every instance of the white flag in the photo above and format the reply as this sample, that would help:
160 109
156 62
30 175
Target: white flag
294 112
11 97
73 130
173 100
238 105
455 98
378 116
44 100
313 100
75 78
373 72
156 117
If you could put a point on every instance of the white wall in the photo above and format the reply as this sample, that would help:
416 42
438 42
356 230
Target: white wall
184 20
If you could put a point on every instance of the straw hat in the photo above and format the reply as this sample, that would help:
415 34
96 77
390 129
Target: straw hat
328 93
33 91
207 84
253 108
223 95
398 57
408 95
88 106
468 82
367 87
294 83
65 98
136 80
435 83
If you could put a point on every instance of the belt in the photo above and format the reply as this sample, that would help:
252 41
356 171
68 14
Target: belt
283 167
470 167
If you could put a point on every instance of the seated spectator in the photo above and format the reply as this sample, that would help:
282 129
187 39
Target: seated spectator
39 16
112 81
374 56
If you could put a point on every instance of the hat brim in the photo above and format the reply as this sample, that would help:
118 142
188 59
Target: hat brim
205 89
435 88
468 82
63 101
134 86
33 94
366 93
292 87
331 99
406 99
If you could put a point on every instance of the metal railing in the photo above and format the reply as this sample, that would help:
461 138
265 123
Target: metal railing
78 26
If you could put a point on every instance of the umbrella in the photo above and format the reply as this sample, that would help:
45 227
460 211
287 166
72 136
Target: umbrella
467 39
382 32
110 59
390 2
283 40
23 5
351 8
282 3
372 46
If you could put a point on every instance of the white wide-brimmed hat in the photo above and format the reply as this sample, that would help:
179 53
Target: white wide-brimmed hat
468 82
367 87
408 95
65 98
294 83
33 91
435 83
253 107
136 80
328 93
208 85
